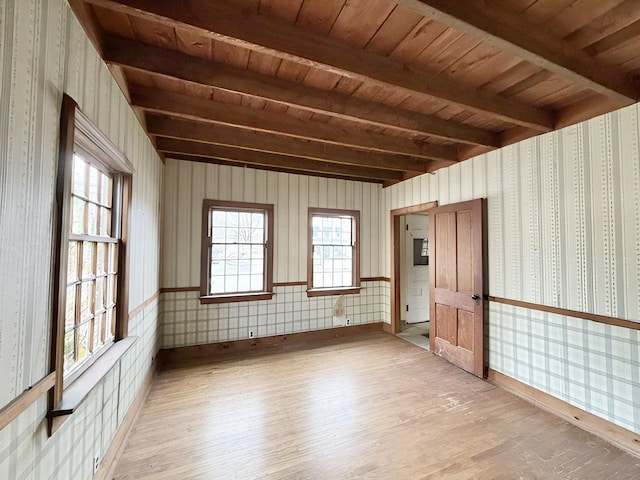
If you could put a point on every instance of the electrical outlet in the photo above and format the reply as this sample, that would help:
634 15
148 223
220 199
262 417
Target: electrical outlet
251 334
348 321
96 463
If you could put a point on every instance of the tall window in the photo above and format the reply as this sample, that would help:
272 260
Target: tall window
334 263
93 188
92 266
237 251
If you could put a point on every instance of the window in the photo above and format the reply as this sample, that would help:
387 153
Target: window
333 263
237 251
90 301
92 262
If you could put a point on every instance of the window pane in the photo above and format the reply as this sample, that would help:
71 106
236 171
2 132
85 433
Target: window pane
97 328
88 249
92 219
257 220
70 308
231 235
105 222
109 324
231 284
86 291
244 235
218 235
231 256
69 350
79 176
217 284
232 219
244 267
257 251
99 296
101 258
257 266
217 267
77 216
244 219
112 294
244 283
257 282
72 262
257 235
83 341
105 197
218 218
94 181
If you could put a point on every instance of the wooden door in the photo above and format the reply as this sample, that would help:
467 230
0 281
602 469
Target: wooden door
457 296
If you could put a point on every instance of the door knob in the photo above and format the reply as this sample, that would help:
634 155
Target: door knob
475 297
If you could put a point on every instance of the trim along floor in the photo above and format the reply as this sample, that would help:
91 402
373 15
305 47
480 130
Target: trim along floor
367 407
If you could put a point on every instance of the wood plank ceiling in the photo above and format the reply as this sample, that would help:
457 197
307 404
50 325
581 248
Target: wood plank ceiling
375 90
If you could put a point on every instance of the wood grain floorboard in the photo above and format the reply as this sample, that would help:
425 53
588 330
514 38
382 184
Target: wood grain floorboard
371 407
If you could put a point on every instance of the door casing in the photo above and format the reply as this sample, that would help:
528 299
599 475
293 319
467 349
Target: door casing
395 258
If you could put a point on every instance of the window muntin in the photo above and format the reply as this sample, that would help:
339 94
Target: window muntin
92 263
333 249
237 251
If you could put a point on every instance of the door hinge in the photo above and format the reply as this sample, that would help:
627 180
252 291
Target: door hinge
407 308
406 227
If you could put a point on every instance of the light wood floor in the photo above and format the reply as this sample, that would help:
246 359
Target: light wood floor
373 408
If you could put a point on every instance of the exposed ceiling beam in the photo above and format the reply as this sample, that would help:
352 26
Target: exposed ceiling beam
267 142
226 22
160 61
172 146
272 168
201 109
510 33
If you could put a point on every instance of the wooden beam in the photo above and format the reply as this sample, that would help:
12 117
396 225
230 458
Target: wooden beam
201 109
249 157
226 22
266 142
160 61
271 168
510 33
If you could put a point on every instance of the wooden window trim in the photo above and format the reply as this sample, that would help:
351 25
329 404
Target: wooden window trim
353 289
267 293
78 133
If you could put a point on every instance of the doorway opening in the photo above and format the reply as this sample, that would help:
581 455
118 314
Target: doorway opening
414 279
410 273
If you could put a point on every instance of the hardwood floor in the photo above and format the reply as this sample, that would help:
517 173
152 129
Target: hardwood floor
371 407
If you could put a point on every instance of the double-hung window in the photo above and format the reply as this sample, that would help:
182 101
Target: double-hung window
90 302
237 251
92 267
334 256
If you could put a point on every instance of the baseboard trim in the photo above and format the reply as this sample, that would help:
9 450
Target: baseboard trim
170 356
110 459
386 328
612 433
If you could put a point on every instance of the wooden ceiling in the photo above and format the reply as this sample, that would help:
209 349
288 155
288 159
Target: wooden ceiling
375 90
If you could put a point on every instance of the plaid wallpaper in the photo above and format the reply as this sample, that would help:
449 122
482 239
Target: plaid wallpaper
563 221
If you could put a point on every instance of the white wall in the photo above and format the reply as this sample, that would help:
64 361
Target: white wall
43 53
186 322
564 230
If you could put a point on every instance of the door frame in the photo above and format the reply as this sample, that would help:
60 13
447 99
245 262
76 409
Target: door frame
395 257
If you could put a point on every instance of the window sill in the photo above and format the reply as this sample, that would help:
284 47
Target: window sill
240 297
77 392
319 292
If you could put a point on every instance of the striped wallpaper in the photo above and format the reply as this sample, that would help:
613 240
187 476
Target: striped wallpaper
43 53
186 322
564 230
188 183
